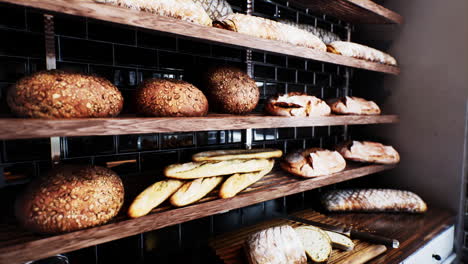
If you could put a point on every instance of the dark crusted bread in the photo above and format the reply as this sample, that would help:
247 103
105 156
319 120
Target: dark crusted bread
69 198
58 94
169 97
230 90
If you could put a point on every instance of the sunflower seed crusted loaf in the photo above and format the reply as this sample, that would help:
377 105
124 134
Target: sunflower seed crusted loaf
373 200
58 94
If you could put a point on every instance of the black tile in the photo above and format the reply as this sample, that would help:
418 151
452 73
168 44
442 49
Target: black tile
314 66
253 214
227 221
277 60
295 202
258 135
336 131
313 142
194 47
36 65
131 56
87 146
297 63
124 250
70 26
286 75
285 133
305 19
330 68
15 43
72 67
258 56
329 92
85 50
12 16
285 13
225 52
274 207
322 79
29 149
304 132
18 172
178 140
294 145
264 8
35 21
102 71
195 234
296 88
158 160
99 30
338 81
11 69
270 133
171 60
305 77
323 24
124 77
264 72
321 131
272 89
155 40
207 138
85 255
314 90
131 166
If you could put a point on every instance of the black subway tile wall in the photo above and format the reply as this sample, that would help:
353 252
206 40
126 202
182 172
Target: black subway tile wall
127 56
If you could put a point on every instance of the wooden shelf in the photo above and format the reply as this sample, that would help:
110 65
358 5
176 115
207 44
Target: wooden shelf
17 128
353 11
88 8
17 246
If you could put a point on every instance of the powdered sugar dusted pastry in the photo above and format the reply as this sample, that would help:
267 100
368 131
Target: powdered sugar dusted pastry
269 29
297 104
359 51
350 105
313 162
370 200
181 9
367 151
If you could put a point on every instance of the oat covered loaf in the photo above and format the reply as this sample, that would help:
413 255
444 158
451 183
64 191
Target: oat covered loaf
351 105
313 162
69 198
373 200
230 90
297 104
359 51
186 10
269 29
367 151
170 98
58 94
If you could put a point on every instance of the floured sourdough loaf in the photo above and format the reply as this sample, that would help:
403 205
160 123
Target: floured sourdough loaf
353 105
316 243
276 245
313 162
367 151
359 51
297 104
373 200
340 241
181 9
269 29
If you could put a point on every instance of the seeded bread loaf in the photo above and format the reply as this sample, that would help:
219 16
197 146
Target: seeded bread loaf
58 94
170 98
313 162
69 198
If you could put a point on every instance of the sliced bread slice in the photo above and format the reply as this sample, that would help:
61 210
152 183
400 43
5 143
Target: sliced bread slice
340 241
316 243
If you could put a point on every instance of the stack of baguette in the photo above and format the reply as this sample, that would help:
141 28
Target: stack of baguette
191 181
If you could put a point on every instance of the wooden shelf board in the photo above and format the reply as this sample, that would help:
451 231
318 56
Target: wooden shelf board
353 11
17 128
17 246
89 8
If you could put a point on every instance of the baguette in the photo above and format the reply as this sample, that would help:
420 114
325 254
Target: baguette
316 243
359 51
231 154
153 196
313 162
239 181
340 241
366 151
194 190
373 200
194 170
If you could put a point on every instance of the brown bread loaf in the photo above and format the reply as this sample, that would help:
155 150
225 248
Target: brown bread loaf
170 98
69 198
359 51
57 94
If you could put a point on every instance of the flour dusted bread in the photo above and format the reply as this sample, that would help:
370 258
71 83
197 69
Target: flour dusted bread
340 241
269 29
373 200
316 243
194 190
276 245
359 51
219 155
313 162
297 104
181 9
367 151
351 105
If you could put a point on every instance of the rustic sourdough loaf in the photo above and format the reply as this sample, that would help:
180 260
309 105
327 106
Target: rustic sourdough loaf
359 51
353 105
296 104
58 94
69 198
367 151
316 243
313 162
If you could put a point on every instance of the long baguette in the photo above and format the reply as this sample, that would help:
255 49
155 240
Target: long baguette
194 190
194 170
239 181
219 155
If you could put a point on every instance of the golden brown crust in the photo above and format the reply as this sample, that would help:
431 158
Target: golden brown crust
367 151
69 198
296 104
313 162
57 94
194 190
353 105
362 52
230 154
230 90
170 98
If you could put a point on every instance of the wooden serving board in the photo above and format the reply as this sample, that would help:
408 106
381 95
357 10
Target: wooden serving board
229 246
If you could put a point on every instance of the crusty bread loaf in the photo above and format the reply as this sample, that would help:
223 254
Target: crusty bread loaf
351 105
316 243
269 29
181 9
296 104
194 190
216 8
57 94
366 151
324 35
170 98
373 200
193 170
69 198
313 162
219 155
239 181
340 241
359 51
276 245
153 196
230 90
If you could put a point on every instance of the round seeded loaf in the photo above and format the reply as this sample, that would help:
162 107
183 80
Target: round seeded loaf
169 97
58 94
69 198
232 91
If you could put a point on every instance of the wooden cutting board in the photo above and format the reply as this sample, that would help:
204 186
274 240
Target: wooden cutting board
228 246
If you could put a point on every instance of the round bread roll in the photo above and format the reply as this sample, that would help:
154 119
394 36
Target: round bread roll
58 94
232 91
169 97
69 198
